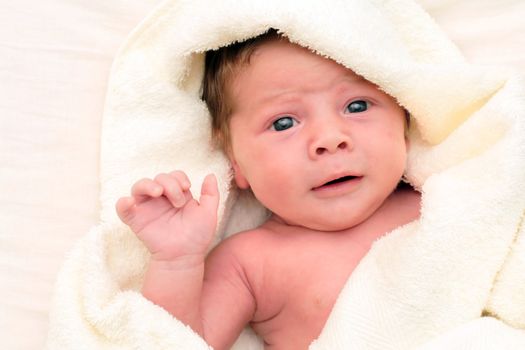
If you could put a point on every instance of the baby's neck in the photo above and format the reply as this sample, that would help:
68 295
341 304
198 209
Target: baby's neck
402 206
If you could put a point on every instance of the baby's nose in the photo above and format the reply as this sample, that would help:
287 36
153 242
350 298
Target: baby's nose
330 140
331 148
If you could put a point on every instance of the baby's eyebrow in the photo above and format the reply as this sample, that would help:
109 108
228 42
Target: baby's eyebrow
351 78
279 96
282 96
349 82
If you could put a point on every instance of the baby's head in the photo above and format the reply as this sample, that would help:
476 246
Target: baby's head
319 146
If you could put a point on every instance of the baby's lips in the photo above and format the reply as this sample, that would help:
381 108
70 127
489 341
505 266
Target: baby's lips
334 179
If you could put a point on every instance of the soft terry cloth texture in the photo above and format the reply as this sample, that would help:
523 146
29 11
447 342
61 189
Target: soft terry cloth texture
426 285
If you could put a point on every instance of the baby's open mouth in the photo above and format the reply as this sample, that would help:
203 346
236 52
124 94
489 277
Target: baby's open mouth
337 181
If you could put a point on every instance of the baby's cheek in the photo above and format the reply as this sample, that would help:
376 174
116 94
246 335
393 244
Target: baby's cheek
273 190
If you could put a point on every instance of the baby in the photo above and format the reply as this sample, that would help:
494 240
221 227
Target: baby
319 146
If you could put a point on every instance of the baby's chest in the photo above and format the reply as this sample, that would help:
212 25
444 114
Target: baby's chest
310 292
300 297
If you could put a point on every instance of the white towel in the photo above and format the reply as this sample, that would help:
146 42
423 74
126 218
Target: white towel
454 279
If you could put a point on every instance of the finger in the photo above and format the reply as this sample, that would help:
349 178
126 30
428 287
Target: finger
183 179
210 193
172 189
185 183
123 207
146 187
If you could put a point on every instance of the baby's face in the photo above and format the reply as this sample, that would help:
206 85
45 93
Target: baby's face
318 145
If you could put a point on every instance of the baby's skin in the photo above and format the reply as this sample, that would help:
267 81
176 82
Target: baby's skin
323 149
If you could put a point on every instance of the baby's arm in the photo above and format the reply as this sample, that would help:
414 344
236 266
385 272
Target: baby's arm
177 229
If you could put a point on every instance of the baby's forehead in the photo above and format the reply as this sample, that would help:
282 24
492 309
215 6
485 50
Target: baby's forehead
282 56
282 73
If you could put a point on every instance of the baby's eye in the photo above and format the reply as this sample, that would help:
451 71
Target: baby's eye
283 123
357 106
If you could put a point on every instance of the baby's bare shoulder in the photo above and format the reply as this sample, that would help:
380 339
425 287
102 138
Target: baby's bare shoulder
242 259
242 250
246 240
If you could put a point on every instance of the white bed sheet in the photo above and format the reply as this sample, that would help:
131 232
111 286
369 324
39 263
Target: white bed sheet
55 57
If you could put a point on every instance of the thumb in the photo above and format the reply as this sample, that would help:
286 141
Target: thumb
210 193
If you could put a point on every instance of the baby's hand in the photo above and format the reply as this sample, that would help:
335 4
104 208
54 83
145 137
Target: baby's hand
164 215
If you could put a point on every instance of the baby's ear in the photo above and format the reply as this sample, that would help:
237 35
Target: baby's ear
240 180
